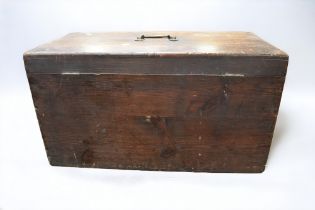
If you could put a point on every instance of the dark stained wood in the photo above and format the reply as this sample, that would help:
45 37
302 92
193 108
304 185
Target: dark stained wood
212 112
217 53
192 65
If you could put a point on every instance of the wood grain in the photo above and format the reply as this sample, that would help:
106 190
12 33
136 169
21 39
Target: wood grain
188 123
189 43
176 65
205 103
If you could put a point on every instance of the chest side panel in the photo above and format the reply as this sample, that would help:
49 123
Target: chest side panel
157 122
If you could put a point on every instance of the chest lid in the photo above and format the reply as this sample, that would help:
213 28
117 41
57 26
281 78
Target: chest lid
194 53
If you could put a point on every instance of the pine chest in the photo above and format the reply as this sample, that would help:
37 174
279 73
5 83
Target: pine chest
173 101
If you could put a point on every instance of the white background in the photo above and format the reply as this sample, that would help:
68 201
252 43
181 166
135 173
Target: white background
27 181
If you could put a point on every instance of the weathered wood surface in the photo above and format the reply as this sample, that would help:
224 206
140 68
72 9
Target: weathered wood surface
216 53
192 65
171 108
189 43
191 123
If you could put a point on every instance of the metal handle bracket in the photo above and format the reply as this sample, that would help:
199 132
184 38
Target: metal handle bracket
169 37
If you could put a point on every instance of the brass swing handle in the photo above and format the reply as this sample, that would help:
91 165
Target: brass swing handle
169 37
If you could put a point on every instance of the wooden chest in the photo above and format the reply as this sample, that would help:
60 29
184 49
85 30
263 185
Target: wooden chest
173 101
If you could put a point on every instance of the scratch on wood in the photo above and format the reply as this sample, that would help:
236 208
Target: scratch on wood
233 75
148 118
225 91
70 73
75 157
